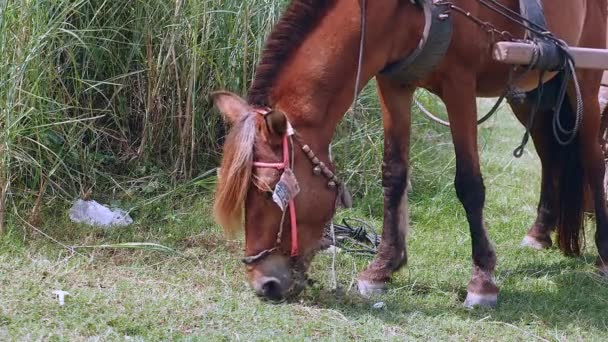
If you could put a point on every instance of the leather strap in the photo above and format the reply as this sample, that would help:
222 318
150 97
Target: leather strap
432 47
533 11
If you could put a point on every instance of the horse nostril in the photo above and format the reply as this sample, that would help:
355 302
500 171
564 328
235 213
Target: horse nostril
271 289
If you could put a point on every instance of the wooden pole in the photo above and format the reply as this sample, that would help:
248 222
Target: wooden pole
522 53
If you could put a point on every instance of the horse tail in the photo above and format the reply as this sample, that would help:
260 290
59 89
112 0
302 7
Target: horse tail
570 182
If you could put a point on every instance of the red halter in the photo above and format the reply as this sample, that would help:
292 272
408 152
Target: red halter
282 166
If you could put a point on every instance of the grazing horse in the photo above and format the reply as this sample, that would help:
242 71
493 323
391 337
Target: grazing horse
303 86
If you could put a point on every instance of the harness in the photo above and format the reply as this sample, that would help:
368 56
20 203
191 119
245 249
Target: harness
432 47
551 54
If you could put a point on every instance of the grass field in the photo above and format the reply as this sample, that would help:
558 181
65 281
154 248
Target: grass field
200 292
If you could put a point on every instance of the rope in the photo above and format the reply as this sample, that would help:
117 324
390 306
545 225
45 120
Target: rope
362 28
334 278
519 151
430 115
332 226
438 120
346 236
568 68
509 91
571 72
361 47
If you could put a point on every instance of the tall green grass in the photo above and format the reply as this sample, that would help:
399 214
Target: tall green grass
107 98
99 94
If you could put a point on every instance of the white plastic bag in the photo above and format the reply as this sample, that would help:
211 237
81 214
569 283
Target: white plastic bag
603 97
95 214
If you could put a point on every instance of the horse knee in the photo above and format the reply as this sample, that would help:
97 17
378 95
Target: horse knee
470 190
394 181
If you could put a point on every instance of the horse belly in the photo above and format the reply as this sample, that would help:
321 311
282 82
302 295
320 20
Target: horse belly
493 84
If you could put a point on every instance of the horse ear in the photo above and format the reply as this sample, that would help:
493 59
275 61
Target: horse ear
232 106
276 121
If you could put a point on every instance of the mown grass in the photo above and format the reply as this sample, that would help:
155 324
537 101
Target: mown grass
200 292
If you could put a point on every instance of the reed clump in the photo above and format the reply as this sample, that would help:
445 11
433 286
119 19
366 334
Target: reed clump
97 93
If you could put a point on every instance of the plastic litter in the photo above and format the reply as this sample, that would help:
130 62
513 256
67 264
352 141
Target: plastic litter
61 296
379 305
95 214
333 249
603 97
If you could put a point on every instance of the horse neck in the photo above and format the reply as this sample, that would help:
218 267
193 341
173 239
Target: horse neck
316 87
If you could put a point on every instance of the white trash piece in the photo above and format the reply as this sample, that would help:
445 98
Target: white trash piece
61 296
95 214
333 249
603 97
379 305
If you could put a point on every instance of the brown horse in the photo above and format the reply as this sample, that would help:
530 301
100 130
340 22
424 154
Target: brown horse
306 80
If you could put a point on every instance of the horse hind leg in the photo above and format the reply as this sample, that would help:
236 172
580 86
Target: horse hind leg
592 158
571 171
391 256
539 234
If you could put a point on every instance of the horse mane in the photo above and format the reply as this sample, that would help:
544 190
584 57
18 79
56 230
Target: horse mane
235 174
298 20
234 179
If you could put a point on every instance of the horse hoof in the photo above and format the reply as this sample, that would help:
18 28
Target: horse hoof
368 288
534 243
602 269
480 300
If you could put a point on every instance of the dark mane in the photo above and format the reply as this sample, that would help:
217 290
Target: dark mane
298 20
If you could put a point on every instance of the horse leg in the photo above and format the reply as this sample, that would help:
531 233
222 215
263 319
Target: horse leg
396 103
593 161
458 94
539 235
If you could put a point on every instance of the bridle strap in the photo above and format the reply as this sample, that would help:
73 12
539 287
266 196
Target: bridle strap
286 163
295 250
279 166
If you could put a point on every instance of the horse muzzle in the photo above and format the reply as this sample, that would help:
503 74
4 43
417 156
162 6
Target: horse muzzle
276 278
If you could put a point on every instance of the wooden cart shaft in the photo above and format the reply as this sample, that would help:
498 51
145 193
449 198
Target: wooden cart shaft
523 54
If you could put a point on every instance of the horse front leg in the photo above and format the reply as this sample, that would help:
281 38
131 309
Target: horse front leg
396 103
458 93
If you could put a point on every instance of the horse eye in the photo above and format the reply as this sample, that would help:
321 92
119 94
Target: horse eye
268 194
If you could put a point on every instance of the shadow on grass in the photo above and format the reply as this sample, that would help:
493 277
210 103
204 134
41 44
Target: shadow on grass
575 296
